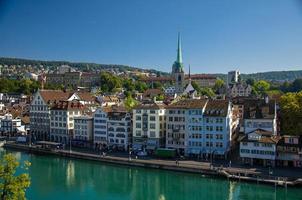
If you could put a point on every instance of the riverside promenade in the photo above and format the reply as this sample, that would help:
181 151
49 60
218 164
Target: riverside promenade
283 178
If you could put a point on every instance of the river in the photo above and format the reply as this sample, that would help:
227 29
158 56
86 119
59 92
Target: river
56 178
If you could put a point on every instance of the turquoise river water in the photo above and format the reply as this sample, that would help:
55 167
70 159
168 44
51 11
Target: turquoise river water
56 178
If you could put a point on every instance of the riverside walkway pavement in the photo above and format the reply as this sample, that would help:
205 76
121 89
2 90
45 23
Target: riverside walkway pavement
289 173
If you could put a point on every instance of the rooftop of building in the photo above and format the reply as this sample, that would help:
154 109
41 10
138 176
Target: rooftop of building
150 105
282 141
217 108
49 96
264 137
68 105
259 109
188 104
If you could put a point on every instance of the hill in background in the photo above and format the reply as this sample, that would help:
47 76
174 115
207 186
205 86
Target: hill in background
275 76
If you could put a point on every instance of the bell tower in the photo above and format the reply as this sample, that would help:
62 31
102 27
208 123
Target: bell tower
178 73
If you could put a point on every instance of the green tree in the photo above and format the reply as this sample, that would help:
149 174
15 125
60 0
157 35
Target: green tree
129 85
157 85
291 113
196 86
250 81
130 103
207 92
218 84
140 86
110 82
12 186
296 85
261 87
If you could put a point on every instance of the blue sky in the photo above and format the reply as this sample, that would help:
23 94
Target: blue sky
217 35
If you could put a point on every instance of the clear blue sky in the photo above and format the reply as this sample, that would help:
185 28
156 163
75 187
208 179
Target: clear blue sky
217 35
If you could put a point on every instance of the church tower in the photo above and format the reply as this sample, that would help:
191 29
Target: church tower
178 73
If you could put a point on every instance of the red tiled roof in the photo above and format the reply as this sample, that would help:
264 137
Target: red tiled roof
187 104
67 105
54 95
217 108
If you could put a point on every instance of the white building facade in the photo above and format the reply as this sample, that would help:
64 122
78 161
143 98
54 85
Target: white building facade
149 129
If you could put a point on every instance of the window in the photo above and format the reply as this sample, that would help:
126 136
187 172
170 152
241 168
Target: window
152 111
152 133
152 126
152 118
138 125
138 118
138 133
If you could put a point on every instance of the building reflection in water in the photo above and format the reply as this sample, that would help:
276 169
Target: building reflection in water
234 190
70 178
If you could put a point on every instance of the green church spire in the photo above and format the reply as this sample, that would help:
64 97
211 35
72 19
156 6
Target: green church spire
178 65
179 55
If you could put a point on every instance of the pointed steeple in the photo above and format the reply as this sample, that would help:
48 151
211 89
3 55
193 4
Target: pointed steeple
178 65
179 53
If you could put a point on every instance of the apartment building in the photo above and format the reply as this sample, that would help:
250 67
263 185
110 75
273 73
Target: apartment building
183 124
119 129
218 127
43 101
149 128
10 125
260 114
112 128
259 147
289 151
62 116
83 131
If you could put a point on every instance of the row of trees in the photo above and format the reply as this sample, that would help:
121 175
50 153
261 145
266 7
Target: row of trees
25 86
113 83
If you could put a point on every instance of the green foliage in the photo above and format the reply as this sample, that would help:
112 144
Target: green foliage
157 85
130 103
12 186
274 92
203 91
207 92
291 113
54 86
109 82
296 85
218 84
250 81
80 66
196 86
24 86
140 86
261 87
160 97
